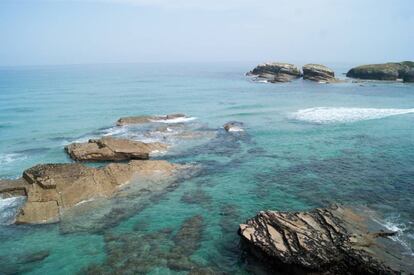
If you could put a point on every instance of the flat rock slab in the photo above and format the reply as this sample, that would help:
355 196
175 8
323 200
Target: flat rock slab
53 188
147 119
321 241
112 149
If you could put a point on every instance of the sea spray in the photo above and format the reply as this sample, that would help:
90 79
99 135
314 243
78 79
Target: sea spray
9 208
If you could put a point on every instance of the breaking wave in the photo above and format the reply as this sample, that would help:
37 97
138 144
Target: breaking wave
11 157
403 237
326 115
9 208
176 120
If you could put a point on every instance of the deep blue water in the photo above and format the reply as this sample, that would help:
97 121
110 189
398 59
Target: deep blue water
305 145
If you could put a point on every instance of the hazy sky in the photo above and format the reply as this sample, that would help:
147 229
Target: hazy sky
35 32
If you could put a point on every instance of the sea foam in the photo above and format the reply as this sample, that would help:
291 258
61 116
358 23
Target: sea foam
175 120
326 115
9 208
395 225
11 157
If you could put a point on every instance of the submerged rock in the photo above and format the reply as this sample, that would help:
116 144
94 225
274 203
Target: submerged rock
321 241
138 253
276 72
198 196
319 73
34 257
386 71
146 119
188 238
53 188
114 149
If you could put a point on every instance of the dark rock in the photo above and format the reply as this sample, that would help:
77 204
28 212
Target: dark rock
321 241
409 76
386 71
187 240
136 253
276 72
112 149
233 126
198 196
318 73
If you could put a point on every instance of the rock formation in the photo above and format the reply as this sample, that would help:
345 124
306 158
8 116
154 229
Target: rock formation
276 72
319 73
409 76
386 71
53 188
112 149
146 119
233 126
321 241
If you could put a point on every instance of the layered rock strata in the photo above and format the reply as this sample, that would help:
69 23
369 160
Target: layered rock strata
321 241
318 73
276 72
53 188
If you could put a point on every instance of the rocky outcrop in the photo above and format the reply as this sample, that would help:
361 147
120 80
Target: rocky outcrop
147 119
233 126
318 73
409 76
53 188
386 71
112 149
322 241
276 72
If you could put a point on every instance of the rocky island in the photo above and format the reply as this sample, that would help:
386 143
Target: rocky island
321 241
318 73
276 72
284 72
386 71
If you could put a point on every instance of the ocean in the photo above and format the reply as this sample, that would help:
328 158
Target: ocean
304 145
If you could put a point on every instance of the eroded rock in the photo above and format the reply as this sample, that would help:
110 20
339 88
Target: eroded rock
276 72
147 119
318 73
328 241
112 149
53 188
409 76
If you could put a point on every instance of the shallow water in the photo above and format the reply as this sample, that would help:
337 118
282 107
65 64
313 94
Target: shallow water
304 145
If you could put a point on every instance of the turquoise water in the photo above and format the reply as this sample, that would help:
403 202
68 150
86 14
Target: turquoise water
293 155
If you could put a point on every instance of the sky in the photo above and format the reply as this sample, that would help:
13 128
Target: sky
44 32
